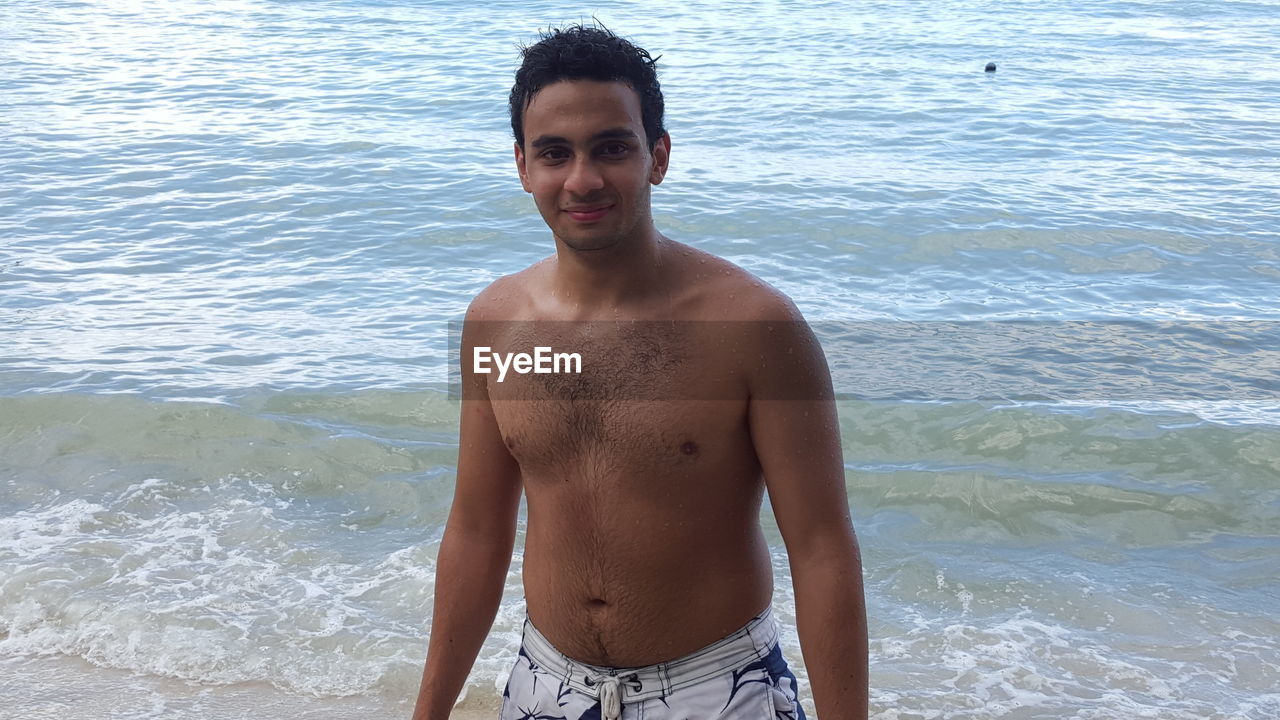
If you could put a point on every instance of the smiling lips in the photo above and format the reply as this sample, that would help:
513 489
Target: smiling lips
589 214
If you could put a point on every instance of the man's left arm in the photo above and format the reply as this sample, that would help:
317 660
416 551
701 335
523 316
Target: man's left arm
796 434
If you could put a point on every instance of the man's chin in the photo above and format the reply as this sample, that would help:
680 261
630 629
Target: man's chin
589 244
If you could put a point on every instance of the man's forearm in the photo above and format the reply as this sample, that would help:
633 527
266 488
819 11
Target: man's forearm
470 574
831 616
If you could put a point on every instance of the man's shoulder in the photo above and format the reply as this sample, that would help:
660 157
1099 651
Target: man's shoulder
503 298
780 356
732 293
764 327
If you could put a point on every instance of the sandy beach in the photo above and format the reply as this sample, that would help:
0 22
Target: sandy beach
60 687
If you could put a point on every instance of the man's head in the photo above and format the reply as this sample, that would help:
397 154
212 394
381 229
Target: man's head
587 53
587 148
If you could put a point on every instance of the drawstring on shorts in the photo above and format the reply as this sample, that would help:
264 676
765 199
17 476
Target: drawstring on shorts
610 692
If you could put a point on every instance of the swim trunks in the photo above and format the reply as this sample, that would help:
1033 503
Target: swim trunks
740 677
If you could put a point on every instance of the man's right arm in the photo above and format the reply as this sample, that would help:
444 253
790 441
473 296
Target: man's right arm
475 553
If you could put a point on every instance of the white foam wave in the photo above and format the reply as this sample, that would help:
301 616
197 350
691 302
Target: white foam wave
1023 666
223 585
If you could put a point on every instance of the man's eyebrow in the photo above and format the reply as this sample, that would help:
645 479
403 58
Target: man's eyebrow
618 133
546 140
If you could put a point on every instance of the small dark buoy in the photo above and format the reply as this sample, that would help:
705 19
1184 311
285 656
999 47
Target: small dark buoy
991 67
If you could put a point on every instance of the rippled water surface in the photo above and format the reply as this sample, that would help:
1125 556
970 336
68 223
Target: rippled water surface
233 234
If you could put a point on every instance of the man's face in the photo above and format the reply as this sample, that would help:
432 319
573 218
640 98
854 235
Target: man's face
587 164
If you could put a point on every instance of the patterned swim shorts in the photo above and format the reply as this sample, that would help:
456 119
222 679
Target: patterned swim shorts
740 677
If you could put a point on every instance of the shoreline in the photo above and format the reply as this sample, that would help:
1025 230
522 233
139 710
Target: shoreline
55 687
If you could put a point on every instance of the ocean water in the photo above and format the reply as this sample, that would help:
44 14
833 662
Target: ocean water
233 235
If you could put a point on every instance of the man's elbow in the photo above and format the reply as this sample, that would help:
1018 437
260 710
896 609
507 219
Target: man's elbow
832 548
480 531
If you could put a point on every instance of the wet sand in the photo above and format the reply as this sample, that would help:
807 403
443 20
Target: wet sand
59 687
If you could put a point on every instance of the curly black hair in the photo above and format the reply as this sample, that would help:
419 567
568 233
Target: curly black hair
581 52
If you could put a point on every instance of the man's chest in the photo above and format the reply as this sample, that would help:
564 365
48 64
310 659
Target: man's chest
626 397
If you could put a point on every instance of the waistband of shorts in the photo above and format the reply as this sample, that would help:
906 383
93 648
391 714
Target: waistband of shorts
752 641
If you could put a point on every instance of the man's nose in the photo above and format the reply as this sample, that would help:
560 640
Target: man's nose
584 178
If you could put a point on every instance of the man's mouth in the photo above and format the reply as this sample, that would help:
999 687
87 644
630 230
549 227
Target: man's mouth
588 214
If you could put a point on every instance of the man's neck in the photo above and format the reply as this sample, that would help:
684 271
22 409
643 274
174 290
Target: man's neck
626 274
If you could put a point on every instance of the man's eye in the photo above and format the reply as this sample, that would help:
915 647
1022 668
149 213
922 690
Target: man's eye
555 154
614 149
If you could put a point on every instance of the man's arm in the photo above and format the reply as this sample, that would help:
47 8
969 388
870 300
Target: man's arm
475 553
797 438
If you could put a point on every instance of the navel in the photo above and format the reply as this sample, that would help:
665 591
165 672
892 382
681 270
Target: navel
689 447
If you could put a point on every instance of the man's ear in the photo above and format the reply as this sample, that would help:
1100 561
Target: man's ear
524 176
661 157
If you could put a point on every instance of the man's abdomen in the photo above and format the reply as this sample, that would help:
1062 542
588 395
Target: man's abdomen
619 579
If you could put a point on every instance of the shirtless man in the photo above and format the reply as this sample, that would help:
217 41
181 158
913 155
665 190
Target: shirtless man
647 579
